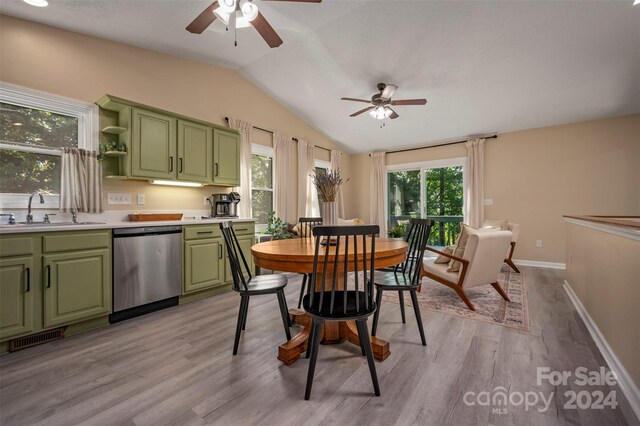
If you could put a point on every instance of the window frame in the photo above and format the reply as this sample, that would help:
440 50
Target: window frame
423 166
265 151
88 118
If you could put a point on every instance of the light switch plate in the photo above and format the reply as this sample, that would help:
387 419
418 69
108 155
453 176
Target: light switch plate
538 243
488 201
140 199
118 198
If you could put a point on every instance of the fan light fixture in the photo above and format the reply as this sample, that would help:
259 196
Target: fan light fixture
37 3
636 2
244 12
380 112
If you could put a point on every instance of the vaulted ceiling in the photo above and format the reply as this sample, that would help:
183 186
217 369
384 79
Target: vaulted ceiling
484 66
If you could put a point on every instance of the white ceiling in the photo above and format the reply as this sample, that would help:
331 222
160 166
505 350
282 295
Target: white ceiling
484 66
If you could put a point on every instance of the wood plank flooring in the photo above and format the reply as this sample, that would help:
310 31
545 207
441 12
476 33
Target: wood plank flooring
175 367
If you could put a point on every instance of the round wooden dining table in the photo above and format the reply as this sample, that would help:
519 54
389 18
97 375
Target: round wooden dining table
296 255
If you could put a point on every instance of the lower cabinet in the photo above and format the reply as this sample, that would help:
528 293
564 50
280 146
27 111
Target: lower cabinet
77 285
16 296
203 264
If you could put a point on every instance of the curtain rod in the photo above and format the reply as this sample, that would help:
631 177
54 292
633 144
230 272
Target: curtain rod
433 146
269 131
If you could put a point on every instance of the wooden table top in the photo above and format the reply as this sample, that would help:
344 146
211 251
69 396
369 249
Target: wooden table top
296 254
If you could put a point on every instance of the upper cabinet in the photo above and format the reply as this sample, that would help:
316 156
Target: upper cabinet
226 156
153 145
164 145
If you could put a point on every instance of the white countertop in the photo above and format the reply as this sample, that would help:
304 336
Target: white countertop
23 228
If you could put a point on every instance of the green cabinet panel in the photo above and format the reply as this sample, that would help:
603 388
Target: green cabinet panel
72 241
195 152
16 296
153 145
203 264
245 243
226 157
77 286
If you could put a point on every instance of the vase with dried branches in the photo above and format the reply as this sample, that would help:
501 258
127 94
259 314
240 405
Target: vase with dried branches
328 185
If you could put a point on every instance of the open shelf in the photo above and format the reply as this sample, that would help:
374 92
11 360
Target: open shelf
114 130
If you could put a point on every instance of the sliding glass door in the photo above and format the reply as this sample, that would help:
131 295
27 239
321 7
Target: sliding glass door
433 190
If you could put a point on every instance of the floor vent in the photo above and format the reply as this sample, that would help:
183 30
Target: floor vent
36 339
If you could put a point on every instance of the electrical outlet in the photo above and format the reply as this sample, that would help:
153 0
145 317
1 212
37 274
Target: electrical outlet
118 198
538 243
206 201
140 199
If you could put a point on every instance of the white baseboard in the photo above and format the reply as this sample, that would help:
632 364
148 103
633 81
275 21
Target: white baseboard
538 264
627 385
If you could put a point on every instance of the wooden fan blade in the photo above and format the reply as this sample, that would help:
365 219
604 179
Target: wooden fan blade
394 114
266 31
388 91
409 102
355 100
362 111
203 20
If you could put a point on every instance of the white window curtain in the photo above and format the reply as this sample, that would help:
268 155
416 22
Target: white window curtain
305 169
475 183
378 184
80 182
286 199
336 164
246 133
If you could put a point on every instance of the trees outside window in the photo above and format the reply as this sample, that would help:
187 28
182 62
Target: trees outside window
262 188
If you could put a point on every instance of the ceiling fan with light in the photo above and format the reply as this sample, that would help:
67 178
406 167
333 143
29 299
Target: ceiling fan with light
239 14
382 103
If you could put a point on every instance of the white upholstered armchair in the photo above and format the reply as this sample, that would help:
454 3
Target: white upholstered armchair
481 263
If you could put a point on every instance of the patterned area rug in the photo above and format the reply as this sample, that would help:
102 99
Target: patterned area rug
490 306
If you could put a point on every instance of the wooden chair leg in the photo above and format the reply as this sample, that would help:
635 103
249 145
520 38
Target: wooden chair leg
401 299
304 283
416 308
512 265
501 291
285 315
317 328
363 335
464 297
241 312
376 316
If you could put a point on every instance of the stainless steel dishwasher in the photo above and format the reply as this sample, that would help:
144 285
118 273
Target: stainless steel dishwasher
147 270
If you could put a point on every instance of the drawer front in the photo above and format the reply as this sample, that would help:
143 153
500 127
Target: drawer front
200 232
16 245
244 228
75 241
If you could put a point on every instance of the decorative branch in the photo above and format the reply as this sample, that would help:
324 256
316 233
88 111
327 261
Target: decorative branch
328 184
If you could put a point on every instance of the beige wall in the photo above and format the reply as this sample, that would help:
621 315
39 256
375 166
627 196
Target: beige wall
603 271
85 68
535 176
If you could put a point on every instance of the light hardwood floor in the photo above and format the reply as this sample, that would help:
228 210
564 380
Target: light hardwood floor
175 367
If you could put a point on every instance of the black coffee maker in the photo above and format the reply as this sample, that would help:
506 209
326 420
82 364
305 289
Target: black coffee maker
225 205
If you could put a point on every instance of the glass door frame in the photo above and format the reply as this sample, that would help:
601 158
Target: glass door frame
423 166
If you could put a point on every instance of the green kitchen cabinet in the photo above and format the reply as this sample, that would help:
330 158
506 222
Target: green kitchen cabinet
195 152
203 264
76 286
153 145
245 242
226 157
17 281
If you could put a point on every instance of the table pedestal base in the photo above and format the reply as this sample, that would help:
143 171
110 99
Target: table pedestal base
332 332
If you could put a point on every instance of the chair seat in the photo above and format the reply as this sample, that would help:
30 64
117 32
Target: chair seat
339 312
440 269
393 280
265 284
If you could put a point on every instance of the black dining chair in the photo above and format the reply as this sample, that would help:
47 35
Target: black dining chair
305 228
251 285
405 276
327 302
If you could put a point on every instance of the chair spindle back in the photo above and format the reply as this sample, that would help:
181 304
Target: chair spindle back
235 255
417 236
306 225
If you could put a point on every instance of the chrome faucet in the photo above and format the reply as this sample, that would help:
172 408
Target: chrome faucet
29 215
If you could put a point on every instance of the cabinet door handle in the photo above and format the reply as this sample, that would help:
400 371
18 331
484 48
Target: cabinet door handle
204 232
215 169
28 271
180 163
220 252
48 276
170 164
242 229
